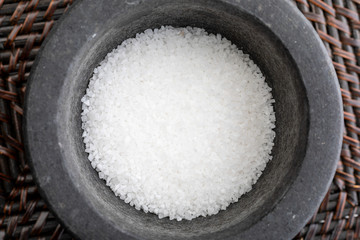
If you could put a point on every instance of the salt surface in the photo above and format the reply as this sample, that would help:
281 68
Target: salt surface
178 122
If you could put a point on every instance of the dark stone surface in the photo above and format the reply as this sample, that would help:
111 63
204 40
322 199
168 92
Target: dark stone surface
278 38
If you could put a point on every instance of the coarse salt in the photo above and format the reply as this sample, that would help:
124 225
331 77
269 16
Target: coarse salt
178 122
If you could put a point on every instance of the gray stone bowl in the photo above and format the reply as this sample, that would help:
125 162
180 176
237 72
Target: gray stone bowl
278 38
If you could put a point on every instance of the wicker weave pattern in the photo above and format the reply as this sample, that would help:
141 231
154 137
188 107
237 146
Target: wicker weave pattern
25 24
23 27
337 23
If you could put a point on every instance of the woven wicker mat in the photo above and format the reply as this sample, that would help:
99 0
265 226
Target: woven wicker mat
25 24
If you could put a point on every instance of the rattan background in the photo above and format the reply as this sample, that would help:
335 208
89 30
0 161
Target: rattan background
25 24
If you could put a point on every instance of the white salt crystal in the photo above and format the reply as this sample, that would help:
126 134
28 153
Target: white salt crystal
179 122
